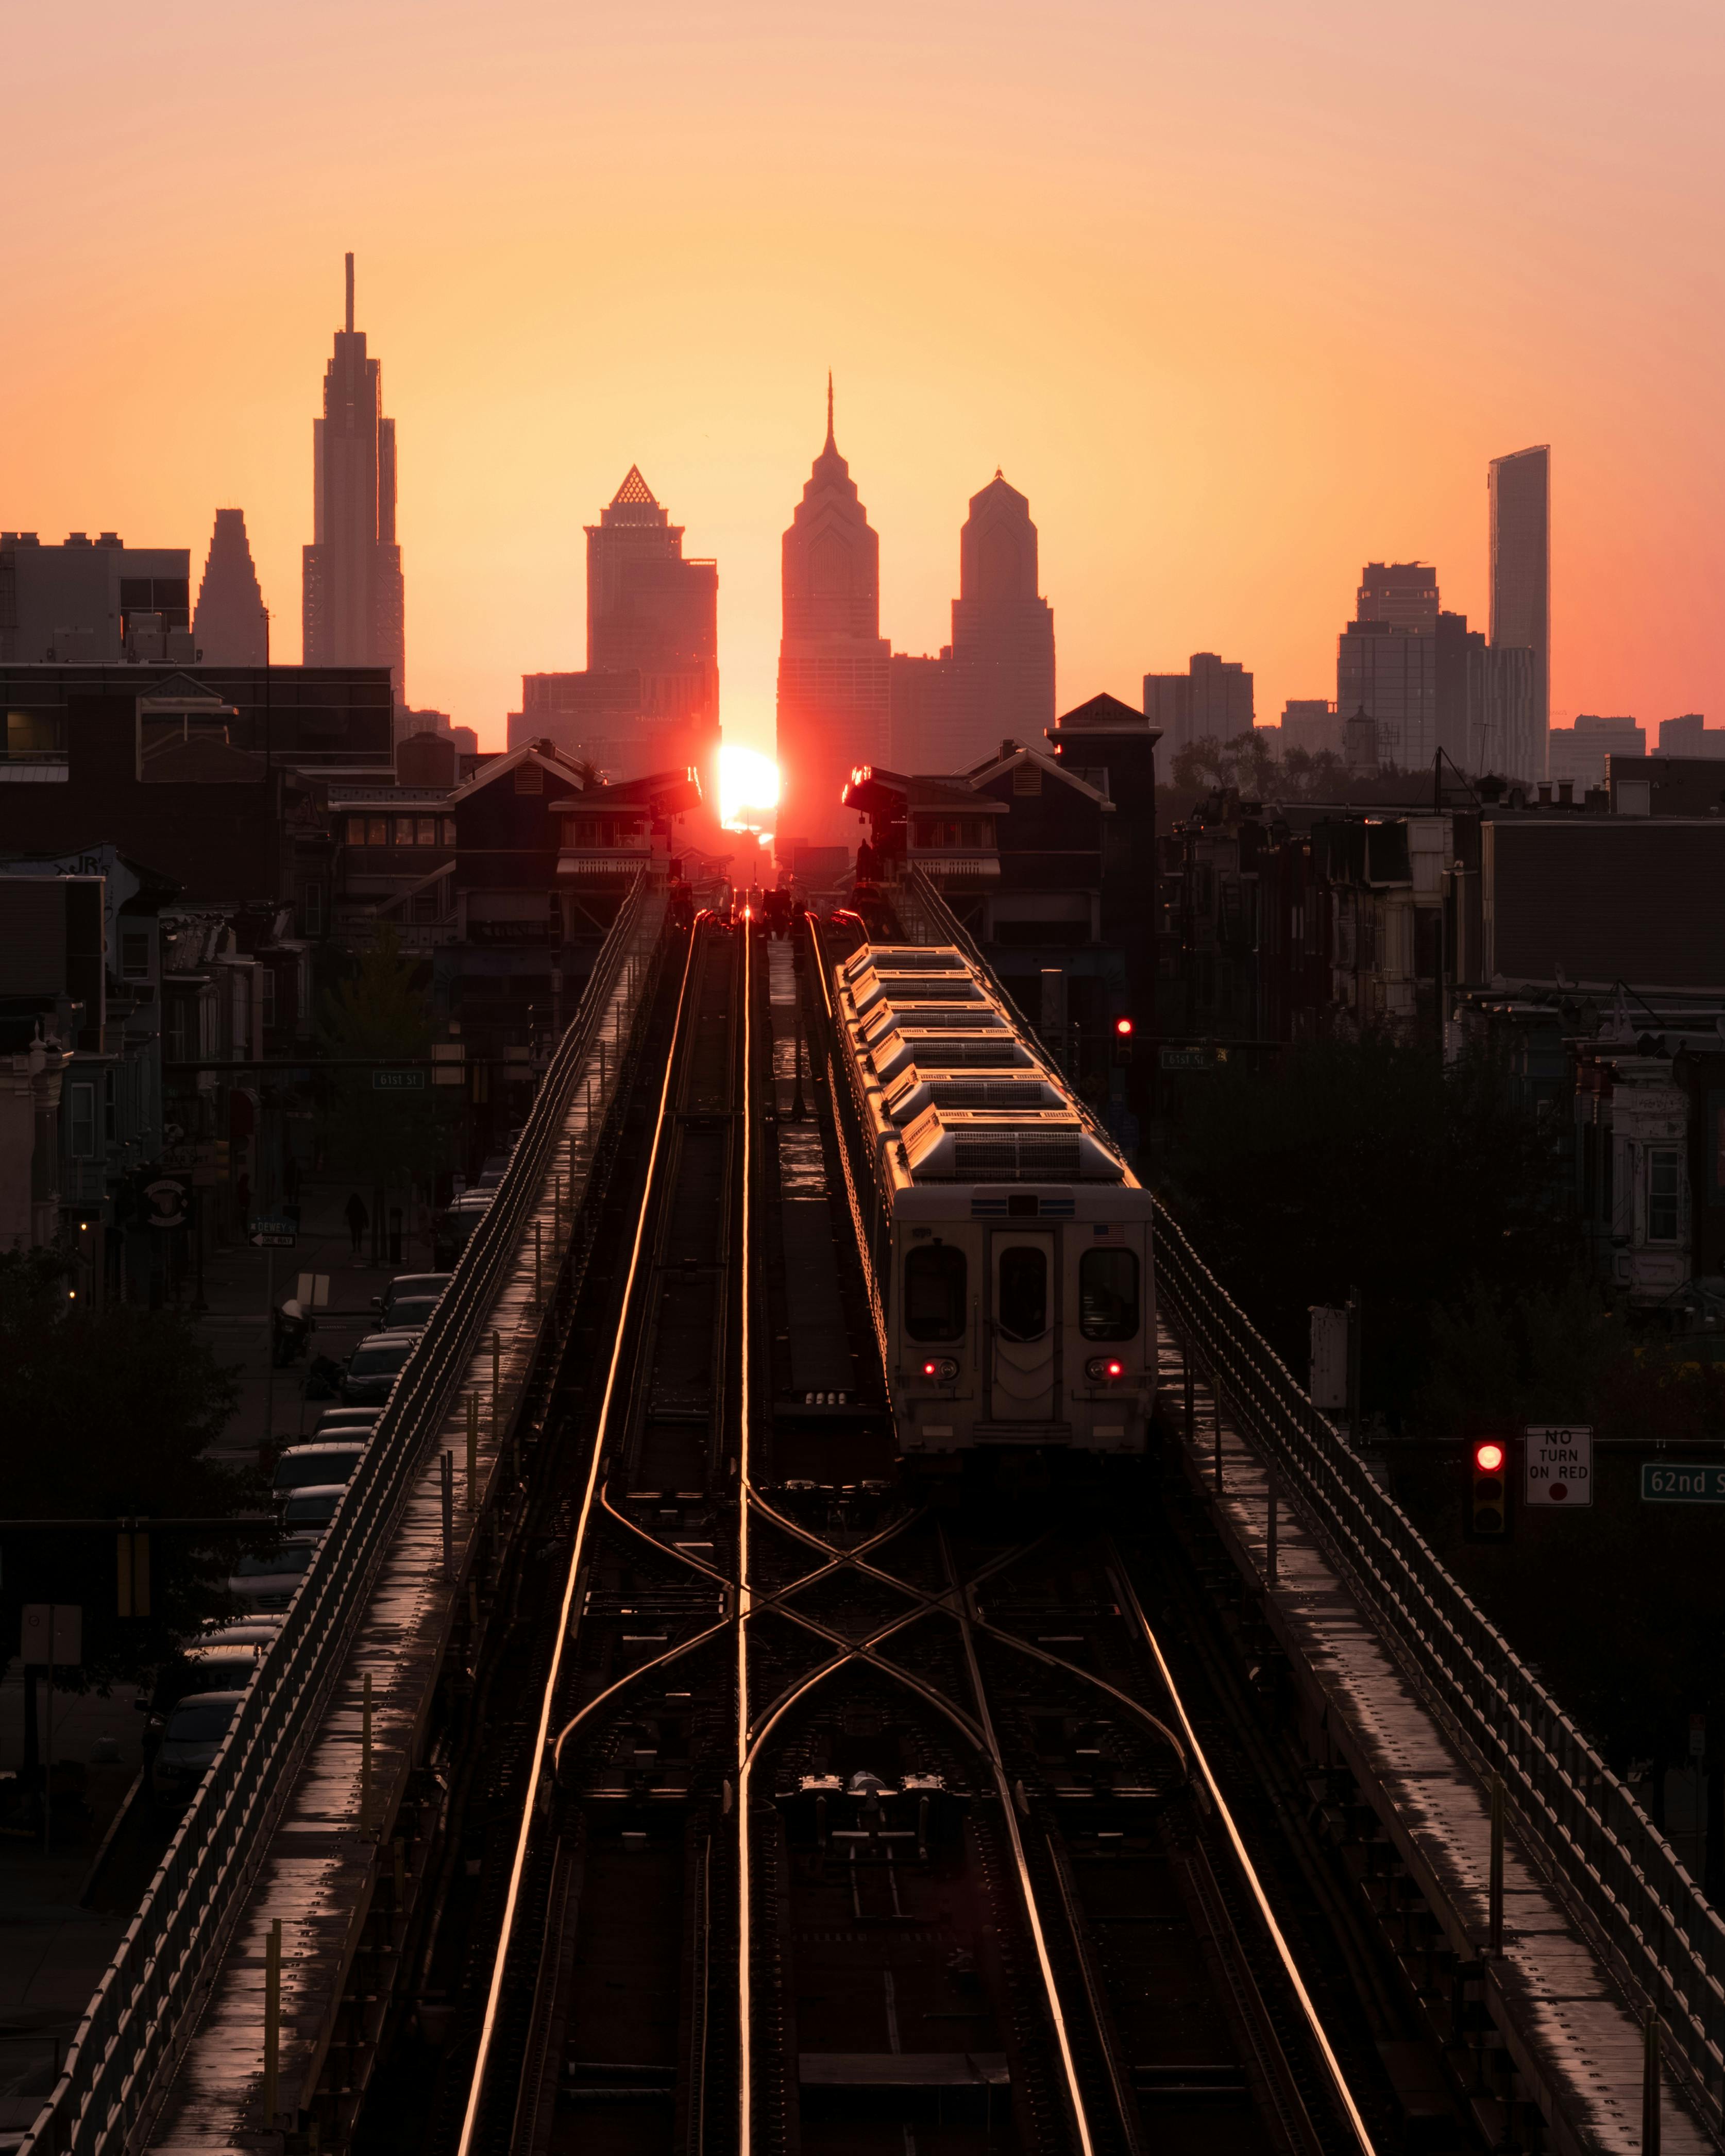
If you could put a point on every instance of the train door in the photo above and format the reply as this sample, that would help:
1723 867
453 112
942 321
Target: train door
1024 1283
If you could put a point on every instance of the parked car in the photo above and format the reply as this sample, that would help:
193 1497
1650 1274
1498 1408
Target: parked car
270 1579
330 1461
374 1366
342 1422
191 1738
415 1287
202 1665
456 1223
310 1509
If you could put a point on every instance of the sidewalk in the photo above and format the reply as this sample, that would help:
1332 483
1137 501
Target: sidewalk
237 1287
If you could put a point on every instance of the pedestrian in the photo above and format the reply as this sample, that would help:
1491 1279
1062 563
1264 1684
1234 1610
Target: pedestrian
358 1220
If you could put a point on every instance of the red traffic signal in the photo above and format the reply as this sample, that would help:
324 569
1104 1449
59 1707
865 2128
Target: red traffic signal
1487 1516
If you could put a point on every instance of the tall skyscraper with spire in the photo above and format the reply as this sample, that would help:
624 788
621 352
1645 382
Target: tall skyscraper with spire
834 697
228 627
353 604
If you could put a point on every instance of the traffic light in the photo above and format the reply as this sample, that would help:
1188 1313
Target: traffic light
1122 1040
1487 1516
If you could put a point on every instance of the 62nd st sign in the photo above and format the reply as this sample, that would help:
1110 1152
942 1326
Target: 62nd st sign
1559 1465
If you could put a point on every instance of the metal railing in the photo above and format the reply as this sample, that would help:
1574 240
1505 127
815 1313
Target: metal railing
1618 1872
131 2032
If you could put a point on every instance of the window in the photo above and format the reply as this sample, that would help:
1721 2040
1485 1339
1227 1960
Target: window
934 1293
1108 1294
134 954
425 831
376 830
82 1116
1023 1313
1662 1193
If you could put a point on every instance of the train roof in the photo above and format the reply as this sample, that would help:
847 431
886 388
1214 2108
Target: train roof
951 1085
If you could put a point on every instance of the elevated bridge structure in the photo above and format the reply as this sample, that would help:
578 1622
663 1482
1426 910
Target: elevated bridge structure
642 1765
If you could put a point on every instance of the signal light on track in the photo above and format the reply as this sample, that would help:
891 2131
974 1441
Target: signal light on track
1103 1369
1488 1519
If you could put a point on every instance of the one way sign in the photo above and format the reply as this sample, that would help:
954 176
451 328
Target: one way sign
1560 1465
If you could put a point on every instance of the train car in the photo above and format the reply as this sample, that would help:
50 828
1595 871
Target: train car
1006 1244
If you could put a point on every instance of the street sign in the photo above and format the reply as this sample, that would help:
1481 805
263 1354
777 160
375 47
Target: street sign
398 1081
1665 1485
1559 1465
52 1632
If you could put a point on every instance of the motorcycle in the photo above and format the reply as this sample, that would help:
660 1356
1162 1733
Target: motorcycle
290 1333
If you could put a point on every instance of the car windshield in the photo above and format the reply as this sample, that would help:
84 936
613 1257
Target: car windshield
203 1723
381 1360
293 1473
291 1557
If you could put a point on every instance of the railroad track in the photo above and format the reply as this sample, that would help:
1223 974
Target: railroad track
839 1823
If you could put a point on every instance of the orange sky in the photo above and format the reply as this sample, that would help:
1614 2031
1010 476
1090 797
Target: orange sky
1239 295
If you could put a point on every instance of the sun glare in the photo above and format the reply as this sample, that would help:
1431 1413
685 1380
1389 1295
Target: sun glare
748 788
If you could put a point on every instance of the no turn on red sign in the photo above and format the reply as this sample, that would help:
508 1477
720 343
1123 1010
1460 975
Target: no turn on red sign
1559 1465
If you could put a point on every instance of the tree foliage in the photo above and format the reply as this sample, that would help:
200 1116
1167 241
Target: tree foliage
109 1414
1366 1163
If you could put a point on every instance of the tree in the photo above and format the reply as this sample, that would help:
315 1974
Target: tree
382 1010
110 1414
1367 1164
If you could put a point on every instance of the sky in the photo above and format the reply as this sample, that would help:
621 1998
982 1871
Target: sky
1241 296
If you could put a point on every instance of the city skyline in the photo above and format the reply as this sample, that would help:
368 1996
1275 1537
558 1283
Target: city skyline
1216 418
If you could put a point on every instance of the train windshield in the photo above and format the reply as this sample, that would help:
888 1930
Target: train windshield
934 1293
1024 1292
1108 1295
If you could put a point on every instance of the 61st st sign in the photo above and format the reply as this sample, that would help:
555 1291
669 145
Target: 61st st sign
1559 1465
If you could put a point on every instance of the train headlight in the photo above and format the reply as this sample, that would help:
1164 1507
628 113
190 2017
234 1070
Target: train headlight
940 1369
1103 1369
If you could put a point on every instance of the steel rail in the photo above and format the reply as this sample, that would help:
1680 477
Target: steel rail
1027 1890
1617 1874
128 2036
476 2088
1248 1871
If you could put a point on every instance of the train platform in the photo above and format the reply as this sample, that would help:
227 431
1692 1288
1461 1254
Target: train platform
1544 2023
337 1866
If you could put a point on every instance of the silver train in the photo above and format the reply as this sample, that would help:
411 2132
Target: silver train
1007 1243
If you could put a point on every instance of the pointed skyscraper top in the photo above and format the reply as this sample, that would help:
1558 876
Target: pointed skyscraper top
635 490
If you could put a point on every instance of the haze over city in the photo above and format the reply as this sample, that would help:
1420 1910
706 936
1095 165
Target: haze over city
1238 299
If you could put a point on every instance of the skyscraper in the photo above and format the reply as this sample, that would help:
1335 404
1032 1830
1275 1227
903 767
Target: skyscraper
228 627
650 610
1519 487
1002 629
833 694
352 590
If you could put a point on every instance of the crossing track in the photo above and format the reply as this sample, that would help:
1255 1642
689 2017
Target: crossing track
920 1783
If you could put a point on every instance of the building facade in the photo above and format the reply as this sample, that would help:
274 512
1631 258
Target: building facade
230 627
835 673
353 602
1519 490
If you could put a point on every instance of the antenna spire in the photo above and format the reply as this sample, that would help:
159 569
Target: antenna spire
350 295
830 443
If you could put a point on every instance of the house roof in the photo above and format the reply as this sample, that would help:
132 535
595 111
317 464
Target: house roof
1011 753
1103 715
549 759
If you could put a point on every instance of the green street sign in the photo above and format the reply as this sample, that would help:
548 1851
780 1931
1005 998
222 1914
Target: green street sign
398 1081
1662 1484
